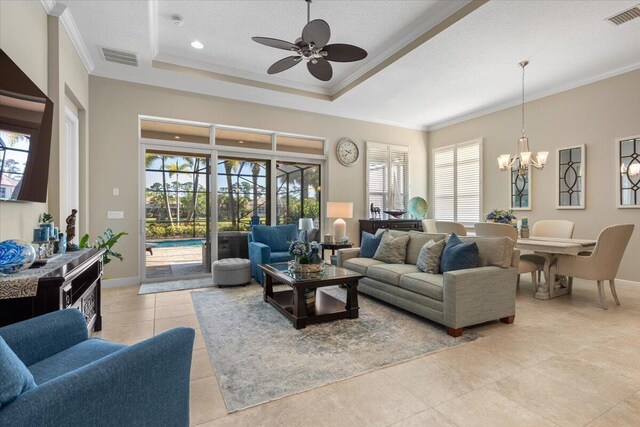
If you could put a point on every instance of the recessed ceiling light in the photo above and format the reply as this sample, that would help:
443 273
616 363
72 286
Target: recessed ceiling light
240 142
176 137
196 44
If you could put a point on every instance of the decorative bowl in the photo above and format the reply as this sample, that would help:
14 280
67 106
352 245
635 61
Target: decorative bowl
395 214
15 256
418 207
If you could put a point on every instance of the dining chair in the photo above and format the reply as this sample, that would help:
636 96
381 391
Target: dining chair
602 264
429 226
559 228
449 227
506 230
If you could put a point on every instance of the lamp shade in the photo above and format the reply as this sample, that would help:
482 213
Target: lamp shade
339 209
305 224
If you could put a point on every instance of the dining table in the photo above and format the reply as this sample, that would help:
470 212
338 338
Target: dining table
549 248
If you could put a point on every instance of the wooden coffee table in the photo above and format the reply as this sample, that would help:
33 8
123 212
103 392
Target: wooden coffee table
291 302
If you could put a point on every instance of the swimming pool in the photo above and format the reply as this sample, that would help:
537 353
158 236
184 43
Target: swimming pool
178 242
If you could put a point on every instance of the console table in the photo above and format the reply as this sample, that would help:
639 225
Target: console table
71 280
372 225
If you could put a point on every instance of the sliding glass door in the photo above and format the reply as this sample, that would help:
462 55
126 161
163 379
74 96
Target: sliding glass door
298 192
177 214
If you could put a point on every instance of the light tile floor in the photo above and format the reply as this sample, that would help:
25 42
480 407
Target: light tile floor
563 362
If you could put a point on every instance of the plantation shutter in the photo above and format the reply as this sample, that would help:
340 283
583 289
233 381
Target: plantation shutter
387 165
457 182
444 184
468 183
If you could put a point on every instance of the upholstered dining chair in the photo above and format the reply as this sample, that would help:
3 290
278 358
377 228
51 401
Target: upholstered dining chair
449 227
559 228
602 264
429 226
497 229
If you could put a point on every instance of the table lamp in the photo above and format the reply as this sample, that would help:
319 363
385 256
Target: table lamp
306 225
339 210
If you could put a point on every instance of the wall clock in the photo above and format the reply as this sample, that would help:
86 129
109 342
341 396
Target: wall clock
347 152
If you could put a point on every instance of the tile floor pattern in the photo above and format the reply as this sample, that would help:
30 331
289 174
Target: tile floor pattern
563 362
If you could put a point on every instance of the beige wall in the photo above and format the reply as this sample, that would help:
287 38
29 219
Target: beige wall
23 36
114 111
40 45
594 115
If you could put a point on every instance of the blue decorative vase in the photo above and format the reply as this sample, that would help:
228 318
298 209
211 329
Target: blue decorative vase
15 256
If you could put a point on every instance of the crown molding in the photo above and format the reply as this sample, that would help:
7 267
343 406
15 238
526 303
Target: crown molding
53 8
535 96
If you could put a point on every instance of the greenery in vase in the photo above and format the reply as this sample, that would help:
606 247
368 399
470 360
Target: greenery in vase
45 218
501 216
106 242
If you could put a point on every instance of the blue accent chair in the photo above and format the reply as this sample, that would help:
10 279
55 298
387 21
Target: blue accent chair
270 244
82 381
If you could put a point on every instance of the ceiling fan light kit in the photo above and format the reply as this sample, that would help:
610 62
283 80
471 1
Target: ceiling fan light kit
523 155
312 47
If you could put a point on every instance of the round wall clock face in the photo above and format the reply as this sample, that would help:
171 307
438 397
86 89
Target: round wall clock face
347 152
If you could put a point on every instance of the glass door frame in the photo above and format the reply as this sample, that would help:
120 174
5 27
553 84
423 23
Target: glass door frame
214 152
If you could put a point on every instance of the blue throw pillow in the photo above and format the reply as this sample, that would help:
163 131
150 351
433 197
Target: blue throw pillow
458 255
15 378
369 244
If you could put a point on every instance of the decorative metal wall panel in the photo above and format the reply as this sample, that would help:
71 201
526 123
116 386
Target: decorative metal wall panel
629 172
570 177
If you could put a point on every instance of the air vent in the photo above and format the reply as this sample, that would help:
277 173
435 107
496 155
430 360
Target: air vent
120 56
625 16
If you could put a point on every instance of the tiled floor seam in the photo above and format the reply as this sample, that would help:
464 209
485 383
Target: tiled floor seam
530 409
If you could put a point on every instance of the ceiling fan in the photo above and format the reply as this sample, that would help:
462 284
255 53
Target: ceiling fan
313 48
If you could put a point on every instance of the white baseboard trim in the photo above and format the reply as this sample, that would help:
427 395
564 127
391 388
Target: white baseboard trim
119 283
628 282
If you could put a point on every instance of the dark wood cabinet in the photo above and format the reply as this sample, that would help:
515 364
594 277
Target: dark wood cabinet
73 285
373 225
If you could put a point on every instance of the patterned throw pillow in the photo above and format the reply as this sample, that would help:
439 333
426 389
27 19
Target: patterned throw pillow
429 257
392 250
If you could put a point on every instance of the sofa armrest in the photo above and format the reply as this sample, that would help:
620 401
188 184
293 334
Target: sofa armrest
259 253
144 384
515 259
36 339
478 295
345 254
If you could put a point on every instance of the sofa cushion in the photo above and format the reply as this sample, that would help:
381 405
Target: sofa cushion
495 250
72 358
429 257
392 250
458 255
369 244
15 378
360 265
280 257
429 285
417 240
390 273
278 237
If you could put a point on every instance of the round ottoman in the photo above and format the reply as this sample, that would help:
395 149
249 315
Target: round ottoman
231 271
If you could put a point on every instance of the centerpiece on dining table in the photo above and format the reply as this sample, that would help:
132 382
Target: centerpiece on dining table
502 216
306 259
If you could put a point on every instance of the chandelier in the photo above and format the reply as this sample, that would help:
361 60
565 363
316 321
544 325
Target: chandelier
523 158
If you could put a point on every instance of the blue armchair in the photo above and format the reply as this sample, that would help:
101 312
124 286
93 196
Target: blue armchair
92 382
270 244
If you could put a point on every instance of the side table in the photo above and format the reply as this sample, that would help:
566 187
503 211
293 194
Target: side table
333 247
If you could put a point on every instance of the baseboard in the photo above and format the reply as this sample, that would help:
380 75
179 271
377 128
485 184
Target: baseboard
628 282
119 283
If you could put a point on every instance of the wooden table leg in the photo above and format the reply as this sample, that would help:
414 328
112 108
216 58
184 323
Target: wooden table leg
267 286
299 309
352 300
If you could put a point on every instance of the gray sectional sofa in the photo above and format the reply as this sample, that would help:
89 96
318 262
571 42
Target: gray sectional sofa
455 299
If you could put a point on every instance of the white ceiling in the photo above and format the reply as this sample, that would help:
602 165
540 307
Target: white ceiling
468 69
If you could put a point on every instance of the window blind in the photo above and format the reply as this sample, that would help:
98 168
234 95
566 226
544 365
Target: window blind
457 182
387 173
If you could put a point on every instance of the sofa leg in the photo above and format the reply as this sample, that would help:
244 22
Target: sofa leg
508 320
457 332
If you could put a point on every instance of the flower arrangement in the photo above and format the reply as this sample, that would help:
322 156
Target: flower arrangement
302 250
501 216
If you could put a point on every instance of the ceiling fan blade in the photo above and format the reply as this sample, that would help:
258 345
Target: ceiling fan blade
278 44
340 52
284 64
321 70
316 32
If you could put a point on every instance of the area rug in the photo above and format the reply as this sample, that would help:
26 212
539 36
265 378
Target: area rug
258 356
175 285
